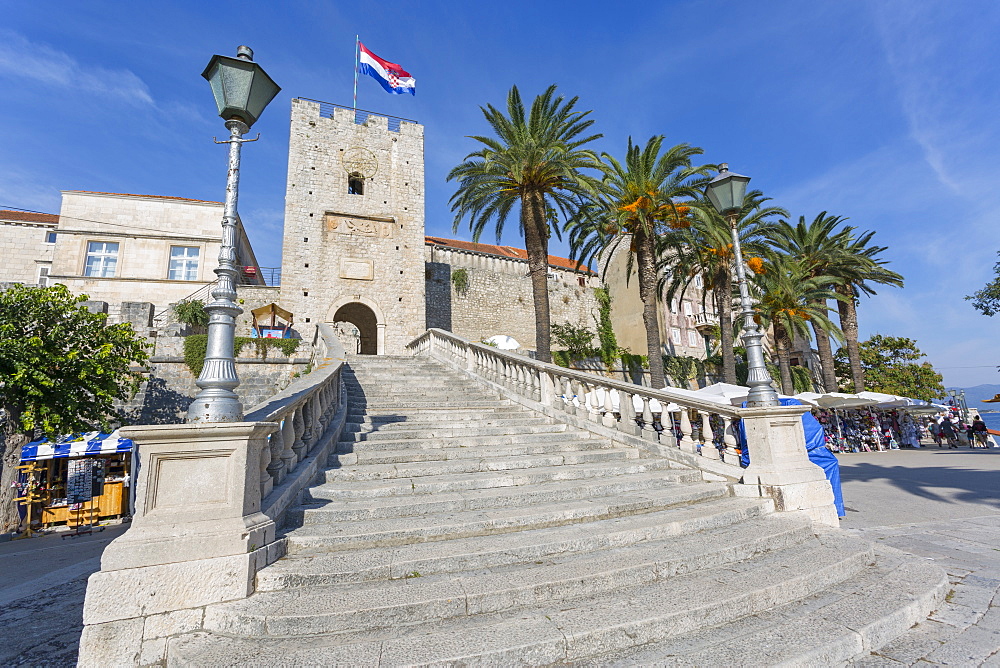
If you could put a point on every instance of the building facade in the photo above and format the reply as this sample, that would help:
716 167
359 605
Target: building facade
27 241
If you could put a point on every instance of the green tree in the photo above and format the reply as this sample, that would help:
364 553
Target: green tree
640 205
683 369
790 298
709 252
61 370
987 300
891 366
533 164
578 342
819 247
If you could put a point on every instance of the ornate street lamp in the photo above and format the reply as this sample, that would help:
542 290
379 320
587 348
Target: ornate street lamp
726 192
242 89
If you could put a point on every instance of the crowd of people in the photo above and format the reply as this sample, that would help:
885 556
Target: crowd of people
873 430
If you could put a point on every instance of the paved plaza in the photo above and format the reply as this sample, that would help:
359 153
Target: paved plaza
943 505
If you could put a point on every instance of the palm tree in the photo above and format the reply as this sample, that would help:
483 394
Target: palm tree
819 247
790 297
534 162
709 252
861 267
639 204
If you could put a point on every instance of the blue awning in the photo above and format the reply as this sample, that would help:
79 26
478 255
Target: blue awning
81 445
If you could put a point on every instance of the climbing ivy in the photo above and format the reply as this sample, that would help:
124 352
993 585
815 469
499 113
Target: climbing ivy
460 279
196 346
609 351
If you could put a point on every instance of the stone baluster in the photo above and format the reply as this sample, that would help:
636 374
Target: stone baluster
567 391
287 439
519 379
648 430
307 426
687 442
266 483
708 448
732 443
593 403
315 412
627 411
276 467
299 445
608 420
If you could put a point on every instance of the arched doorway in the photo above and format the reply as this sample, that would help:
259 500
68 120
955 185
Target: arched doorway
365 321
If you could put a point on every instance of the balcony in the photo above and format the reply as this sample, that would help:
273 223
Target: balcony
706 322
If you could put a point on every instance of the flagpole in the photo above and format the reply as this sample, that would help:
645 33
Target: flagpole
357 60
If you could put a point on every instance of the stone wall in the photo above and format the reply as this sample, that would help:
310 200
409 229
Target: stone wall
23 249
165 397
496 301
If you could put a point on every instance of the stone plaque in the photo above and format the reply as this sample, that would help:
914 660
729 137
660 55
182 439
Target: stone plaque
187 479
357 268
366 227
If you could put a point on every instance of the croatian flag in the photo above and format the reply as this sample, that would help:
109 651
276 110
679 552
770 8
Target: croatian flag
392 77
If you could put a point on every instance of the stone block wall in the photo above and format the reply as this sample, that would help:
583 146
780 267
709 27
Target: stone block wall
23 248
500 302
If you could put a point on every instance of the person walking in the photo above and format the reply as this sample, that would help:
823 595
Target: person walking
935 428
948 432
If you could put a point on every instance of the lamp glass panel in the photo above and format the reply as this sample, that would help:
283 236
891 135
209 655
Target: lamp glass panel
236 83
262 92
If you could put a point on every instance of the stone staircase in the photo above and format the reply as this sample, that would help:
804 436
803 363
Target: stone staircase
456 527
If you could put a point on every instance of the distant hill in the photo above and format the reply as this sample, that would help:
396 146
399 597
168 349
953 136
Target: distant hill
974 396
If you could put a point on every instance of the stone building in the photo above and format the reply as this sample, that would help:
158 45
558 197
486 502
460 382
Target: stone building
26 244
140 248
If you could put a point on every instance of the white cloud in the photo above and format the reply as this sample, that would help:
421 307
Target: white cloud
23 59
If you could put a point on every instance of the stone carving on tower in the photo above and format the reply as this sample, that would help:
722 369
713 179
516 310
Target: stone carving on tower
354 226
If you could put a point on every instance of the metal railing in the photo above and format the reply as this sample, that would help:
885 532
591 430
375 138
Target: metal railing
360 115
271 275
667 417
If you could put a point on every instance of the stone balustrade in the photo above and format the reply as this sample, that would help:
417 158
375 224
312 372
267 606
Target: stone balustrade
673 423
209 498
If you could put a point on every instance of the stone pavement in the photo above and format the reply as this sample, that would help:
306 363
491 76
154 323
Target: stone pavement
41 596
945 506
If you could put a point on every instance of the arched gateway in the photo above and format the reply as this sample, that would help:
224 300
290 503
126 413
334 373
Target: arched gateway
367 318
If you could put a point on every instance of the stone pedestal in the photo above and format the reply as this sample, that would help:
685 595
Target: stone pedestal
197 537
780 466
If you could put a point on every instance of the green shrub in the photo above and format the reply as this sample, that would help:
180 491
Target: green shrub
460 279
196 345
191 312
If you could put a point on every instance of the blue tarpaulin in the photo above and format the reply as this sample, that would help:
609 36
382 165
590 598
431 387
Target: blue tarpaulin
816 449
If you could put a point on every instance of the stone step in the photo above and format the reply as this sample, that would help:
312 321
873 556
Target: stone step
852 619
317 506
444 526
416 404
350 453
308 568
448 432
440 412
554 632
434 484
470 422
484 464
422 597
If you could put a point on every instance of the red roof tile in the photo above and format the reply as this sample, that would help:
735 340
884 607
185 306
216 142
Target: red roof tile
29 217
505 251
183 199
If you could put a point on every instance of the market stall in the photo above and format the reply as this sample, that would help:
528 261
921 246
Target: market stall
77 480
272 322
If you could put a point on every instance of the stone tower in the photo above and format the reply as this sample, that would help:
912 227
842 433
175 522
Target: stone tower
354 225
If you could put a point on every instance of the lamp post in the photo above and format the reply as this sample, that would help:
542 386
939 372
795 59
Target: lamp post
726 192
242 89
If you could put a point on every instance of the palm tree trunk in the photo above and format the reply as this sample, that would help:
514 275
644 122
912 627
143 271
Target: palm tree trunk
536 241
783 346
724 302
825 358
849 325
645 252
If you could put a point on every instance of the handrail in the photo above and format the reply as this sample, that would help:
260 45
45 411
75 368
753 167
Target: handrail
305 411
700 426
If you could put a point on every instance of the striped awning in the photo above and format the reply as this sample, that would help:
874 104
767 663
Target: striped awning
81 445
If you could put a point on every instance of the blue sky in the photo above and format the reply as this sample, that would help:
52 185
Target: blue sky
884 112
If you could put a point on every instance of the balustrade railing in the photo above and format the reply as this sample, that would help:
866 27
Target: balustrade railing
692 424
303 411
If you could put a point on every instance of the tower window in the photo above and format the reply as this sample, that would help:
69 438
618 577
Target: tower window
355 184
